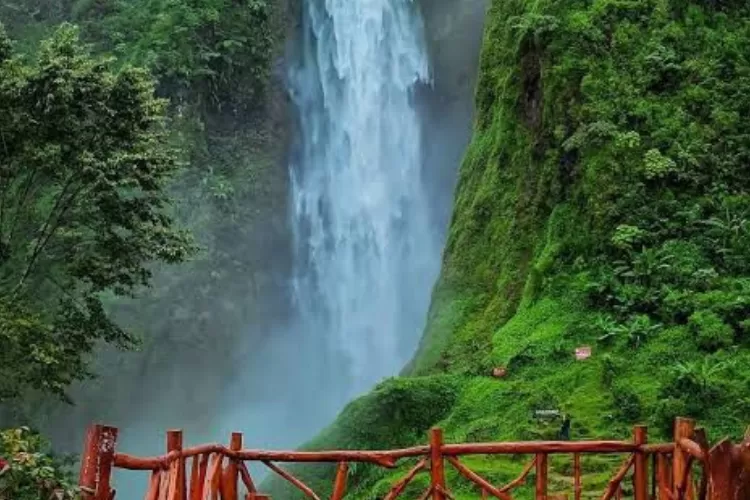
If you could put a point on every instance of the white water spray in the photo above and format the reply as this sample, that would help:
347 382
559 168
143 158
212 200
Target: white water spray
367 254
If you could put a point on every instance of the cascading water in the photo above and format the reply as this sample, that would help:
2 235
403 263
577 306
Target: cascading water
367 253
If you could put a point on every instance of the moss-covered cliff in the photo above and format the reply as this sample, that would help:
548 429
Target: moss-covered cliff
603 201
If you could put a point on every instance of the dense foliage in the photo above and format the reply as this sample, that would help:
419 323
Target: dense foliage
604 201
32 472
212 62
83 168
88 224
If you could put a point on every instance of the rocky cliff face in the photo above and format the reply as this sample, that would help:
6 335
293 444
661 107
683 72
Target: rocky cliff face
454 36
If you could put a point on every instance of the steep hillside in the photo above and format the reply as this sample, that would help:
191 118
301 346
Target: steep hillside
603 201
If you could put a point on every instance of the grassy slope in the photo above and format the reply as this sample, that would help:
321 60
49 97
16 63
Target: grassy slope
603 201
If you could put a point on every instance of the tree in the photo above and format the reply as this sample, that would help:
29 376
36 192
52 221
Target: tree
84 162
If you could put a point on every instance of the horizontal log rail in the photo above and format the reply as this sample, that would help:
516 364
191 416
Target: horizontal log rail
220 472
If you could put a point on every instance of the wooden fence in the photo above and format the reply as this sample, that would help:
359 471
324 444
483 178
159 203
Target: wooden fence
685 469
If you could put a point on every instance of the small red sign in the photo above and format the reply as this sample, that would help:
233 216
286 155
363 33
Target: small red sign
583 352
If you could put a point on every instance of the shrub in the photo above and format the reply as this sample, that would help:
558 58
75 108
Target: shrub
33 473
712 333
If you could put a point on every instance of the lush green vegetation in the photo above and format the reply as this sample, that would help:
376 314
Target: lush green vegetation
99 163
603 201
212 62
32 471
85 162
84 167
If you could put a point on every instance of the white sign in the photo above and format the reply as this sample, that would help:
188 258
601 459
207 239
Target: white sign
583 352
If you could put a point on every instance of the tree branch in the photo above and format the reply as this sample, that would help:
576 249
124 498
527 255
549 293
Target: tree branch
48 230
21 205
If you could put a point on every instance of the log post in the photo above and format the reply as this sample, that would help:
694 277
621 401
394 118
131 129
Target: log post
640 466
721 484
577 488
194 491
107 443
231 473
153 485
541 476
664 477
87 479
339 486
174 443
683 429
437 467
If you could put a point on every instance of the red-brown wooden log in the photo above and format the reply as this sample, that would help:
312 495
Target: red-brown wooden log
477 479
400 486
213 478
539 447
247 480
691 448
702 441
388 458
195 471
339 485
521 479
232 470
614 483
164 484
577 487
664 477
177 468
743 464
640 465
722 482
174 482
437 467
153 486
684 484
291 479
202 473
541 476
382 458
87 479
683 429
107 444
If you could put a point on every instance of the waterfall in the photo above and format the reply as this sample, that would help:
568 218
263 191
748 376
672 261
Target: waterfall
367 253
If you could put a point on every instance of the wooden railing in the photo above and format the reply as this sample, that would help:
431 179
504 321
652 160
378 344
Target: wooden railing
658 471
